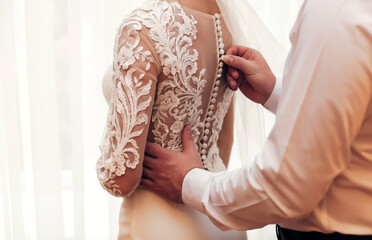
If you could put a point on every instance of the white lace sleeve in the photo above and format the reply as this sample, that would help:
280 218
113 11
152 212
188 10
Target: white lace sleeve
134 78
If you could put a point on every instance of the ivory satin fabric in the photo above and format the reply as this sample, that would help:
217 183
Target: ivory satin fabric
315 171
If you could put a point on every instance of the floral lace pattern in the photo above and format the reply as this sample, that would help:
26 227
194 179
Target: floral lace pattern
178 99
179 96
119 149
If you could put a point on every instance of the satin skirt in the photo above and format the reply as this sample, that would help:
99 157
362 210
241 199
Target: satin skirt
146 216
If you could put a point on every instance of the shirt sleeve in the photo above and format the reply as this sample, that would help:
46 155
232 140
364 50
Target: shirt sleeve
326 91
135 71
272 102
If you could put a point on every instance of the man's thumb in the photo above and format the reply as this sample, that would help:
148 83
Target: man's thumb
187 139
237 62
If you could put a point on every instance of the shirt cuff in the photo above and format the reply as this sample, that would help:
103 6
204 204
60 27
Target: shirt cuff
194 187
272 102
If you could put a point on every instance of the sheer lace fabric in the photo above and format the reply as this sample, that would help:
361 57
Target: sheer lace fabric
166 62
166 74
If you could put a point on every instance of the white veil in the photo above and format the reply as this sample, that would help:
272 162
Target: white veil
248 30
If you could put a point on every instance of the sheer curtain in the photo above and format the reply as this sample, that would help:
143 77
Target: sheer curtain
52 113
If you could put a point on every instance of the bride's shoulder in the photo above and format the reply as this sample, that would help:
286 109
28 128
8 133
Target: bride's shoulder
158 25
156 9
157 16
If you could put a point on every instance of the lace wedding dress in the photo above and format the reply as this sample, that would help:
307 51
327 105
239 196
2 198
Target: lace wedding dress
167 72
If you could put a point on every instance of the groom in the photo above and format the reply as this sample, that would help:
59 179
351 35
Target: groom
314 175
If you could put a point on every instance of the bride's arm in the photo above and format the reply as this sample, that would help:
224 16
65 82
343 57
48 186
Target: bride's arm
135 71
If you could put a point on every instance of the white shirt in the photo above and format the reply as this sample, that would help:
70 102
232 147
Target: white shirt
315 171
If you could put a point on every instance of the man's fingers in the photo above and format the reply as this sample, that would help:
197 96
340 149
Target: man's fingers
187 139
155 150
239 63
233 72
149 162
147 183
240 51
233 85
147 173
232 77
240 80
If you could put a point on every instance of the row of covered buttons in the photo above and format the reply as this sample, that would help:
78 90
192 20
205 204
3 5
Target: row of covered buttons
208 120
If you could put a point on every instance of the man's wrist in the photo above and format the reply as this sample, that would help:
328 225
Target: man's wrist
194 185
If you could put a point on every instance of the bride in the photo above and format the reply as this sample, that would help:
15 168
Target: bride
167 73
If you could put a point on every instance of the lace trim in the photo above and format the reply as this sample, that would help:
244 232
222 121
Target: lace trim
213 161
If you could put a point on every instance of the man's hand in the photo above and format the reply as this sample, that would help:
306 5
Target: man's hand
249 72
164 169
